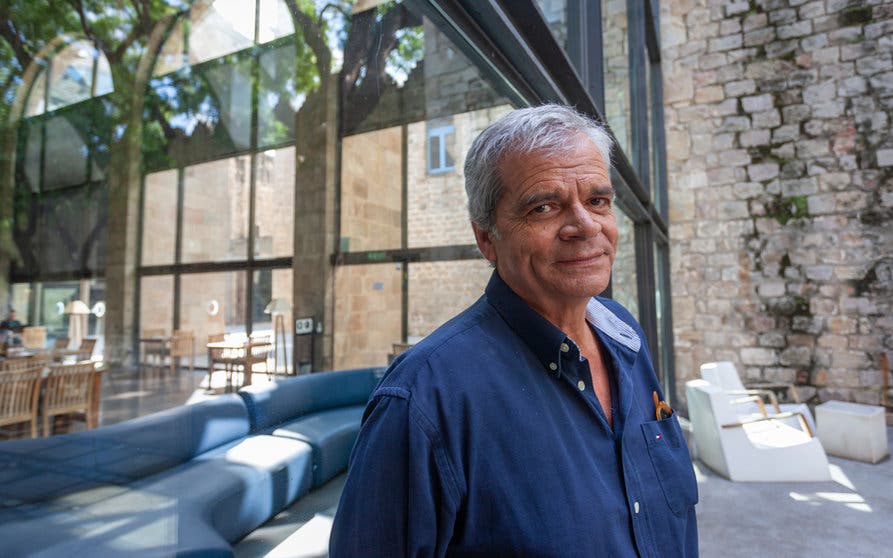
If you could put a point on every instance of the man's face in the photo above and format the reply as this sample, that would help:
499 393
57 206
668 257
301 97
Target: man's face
555 235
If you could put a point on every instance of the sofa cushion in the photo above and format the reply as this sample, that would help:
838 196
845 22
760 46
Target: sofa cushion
272 404
331 433
48 468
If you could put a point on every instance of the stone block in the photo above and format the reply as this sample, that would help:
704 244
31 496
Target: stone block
885 157
869 65
735 8
741 87
883 83
793 114
758 356
711 94
852 430
759 37
811 10
721 44
767 119
819 93
762 171
795 29
757 103
754 138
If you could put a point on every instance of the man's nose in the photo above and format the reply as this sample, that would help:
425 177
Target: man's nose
580 223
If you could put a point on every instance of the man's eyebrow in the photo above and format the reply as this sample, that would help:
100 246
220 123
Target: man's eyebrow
538 197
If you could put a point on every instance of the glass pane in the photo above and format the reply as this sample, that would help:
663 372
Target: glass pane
215 211
198 114
624 288
73 230
274 203
71 75
615 47
100 137
160 218
54 296
437 203
364 292
555 14
20 301
170 58
272 313
661 300
220 27
275 20
371 190
227 99
65 156
28 154
212 303
278 97
440 290
157 303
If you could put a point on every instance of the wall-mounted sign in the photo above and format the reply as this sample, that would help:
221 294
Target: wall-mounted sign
303 326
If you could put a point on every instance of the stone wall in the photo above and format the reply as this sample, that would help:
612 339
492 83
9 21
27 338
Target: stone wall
780 162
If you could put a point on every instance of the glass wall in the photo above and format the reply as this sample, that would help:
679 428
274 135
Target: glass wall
242 154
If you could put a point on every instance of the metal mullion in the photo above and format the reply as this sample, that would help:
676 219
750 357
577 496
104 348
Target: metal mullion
465 31
252 174
659 145
140 224
585 47
644 240
404 233
666 324
178 244
638 92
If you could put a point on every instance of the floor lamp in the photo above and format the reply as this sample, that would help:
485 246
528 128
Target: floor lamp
278 307
77 311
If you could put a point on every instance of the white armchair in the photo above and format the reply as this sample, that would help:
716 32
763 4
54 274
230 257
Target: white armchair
759 449
749 402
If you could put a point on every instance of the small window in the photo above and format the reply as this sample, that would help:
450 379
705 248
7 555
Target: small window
440 147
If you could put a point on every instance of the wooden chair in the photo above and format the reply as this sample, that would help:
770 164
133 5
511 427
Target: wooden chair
61 343
153 353
218 359
68 390
19 364
182 345
83 352
20 396
34 337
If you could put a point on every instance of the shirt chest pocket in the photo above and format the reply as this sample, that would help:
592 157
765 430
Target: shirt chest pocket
672 464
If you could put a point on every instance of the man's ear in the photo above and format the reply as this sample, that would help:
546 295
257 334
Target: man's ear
484 240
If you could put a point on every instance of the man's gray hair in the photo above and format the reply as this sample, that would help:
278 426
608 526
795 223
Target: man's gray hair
551 128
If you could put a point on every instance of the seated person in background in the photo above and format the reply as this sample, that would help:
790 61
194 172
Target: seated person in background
11 323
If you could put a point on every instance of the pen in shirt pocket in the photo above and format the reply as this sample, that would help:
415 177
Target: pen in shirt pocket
662 409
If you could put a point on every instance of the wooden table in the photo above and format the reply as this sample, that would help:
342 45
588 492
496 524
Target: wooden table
233 354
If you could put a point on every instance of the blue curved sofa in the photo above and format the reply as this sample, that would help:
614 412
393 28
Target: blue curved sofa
188 481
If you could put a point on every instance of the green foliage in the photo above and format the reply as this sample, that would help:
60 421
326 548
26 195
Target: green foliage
785 209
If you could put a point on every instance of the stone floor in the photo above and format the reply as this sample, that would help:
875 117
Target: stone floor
849 516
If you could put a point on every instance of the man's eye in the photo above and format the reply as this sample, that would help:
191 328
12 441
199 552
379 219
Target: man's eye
541 208
601 202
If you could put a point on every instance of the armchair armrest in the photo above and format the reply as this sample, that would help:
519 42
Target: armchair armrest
799 415
767 393
790 388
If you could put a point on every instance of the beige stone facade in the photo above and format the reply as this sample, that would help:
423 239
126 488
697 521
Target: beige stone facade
781 189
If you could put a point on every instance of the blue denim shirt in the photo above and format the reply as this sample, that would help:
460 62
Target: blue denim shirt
487 439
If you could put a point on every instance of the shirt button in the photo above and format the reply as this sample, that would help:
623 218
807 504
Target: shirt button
636 507
581 386
564 348
553 366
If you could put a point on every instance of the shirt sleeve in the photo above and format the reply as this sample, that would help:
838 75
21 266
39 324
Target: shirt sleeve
396 501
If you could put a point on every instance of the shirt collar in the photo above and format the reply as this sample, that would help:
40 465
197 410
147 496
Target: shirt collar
543 338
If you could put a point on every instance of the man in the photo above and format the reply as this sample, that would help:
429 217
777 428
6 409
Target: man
526 425
11 323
